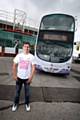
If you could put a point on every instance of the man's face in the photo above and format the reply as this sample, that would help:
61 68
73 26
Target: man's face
26 48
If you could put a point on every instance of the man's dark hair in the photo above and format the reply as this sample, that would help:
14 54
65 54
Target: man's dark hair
26 43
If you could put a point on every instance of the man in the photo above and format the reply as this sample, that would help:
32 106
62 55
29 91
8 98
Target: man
23 72
16 46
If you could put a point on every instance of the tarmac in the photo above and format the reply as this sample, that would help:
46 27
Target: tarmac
50 99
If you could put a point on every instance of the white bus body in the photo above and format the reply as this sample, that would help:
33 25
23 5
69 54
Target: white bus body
54 44
76 51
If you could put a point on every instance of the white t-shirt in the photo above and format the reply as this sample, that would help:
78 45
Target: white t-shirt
25 62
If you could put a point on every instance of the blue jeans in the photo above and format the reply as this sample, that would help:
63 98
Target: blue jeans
19 84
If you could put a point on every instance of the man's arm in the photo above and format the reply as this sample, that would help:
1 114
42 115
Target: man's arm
14 71
32 74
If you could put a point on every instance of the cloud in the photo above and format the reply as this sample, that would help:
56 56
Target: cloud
39 8
35 9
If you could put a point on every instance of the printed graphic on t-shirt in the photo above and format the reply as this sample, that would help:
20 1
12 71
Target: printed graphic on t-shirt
24 64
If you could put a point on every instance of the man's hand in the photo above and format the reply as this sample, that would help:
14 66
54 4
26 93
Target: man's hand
15 77
32 74
29 80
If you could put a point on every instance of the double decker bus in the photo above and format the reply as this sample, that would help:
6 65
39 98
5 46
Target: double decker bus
54 43
76 52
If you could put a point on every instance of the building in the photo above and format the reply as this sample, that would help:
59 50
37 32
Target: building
9 34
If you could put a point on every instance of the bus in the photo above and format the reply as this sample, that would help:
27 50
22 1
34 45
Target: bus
54 43
76 52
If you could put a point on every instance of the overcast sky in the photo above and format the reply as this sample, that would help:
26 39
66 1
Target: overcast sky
35 9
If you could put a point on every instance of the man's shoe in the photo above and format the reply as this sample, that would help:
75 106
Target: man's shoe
27 108
14 108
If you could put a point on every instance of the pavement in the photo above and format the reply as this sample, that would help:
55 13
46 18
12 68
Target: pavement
51 98
42 111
